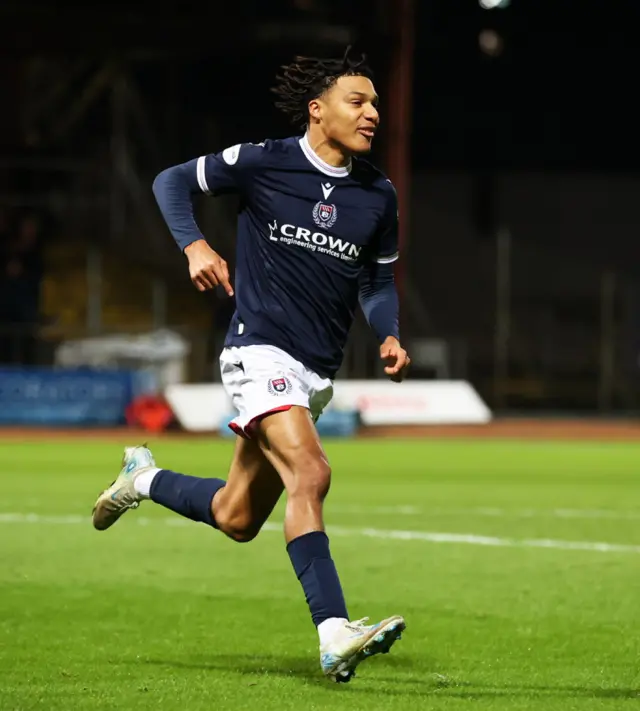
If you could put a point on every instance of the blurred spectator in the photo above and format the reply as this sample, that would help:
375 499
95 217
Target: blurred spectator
21 271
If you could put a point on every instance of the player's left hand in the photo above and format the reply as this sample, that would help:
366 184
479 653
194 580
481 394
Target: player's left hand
396 357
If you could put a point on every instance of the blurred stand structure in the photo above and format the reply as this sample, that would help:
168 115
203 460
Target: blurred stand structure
506 280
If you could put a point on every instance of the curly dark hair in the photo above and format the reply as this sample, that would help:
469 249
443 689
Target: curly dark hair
307 78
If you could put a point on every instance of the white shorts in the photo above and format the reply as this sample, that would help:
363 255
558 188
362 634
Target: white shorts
261 380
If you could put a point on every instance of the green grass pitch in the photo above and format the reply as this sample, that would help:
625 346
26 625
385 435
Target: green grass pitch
516 565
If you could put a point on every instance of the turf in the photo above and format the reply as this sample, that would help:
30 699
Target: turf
161 614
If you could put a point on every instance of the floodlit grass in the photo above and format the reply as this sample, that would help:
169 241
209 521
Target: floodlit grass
160 613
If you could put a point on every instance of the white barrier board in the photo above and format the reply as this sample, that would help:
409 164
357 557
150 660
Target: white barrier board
201 407
198 407
414 402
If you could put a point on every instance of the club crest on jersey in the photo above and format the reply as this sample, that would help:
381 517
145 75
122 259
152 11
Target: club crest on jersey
279 386
325 215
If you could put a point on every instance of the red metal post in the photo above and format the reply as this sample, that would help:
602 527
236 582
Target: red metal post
399 124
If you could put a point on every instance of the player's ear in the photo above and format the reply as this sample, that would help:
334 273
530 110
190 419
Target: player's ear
315 110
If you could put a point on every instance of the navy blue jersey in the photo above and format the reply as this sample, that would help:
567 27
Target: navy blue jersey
311 240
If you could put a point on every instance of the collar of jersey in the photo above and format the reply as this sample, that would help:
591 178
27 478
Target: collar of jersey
319 164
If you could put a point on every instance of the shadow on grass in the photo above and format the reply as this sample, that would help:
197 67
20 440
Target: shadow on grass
409 681
307 670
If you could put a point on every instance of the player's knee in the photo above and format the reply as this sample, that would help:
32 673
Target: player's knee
311 479
243 535
237 525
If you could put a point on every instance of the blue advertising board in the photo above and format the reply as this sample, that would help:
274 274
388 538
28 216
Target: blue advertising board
78 396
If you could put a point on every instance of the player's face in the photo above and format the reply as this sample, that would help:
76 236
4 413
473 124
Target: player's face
349 115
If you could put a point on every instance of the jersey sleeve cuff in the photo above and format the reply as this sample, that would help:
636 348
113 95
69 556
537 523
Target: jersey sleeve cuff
201 175
388 259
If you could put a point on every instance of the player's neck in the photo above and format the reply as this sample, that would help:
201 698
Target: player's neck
325 150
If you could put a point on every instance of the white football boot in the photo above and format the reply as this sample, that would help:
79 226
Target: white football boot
122 495
354 642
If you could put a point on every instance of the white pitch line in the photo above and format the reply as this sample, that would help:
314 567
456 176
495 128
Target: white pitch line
556 513
487 511
482 511
385 534
366 510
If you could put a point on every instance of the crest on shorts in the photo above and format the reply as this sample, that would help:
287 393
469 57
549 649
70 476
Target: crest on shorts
325 215
279 386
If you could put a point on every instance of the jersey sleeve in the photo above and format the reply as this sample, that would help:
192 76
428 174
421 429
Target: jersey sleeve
386 243
231 170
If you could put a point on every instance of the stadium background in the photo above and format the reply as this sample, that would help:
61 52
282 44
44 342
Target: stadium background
510 131
505 130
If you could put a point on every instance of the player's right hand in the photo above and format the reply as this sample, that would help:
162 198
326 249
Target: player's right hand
207 268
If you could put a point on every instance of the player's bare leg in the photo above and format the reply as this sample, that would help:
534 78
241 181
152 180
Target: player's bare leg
291 443
253 488
238 506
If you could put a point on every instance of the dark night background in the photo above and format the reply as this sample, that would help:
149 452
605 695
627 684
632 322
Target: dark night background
538 138
561 95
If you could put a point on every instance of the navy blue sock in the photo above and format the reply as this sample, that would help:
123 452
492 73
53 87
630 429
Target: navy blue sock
317 573
188 496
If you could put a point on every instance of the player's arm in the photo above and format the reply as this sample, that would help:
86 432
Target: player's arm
379 296
174 189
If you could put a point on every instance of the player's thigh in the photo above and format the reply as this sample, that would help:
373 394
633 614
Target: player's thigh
252 490
290 442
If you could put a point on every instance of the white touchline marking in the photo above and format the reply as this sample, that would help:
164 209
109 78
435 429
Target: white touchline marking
385 534
480 511
488 511
354 509
484 511
556 513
